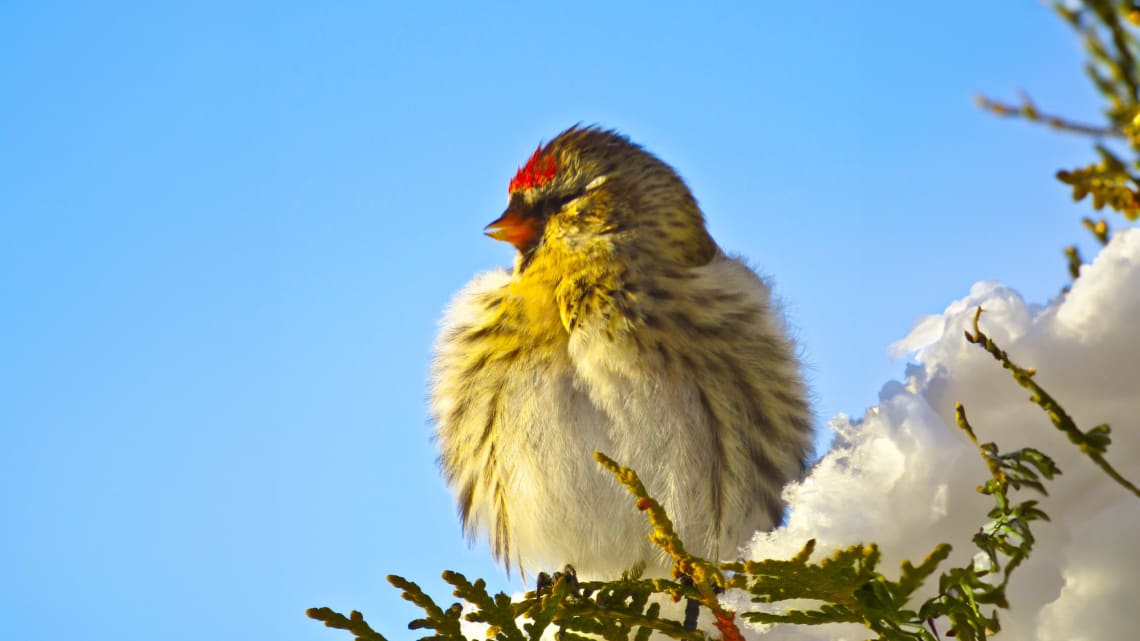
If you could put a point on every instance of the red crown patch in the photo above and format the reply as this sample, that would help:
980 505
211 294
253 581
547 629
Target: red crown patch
537 171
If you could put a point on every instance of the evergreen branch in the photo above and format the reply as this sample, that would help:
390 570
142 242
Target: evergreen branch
1123 61
834 580
1008 533
498 612
1029 112
991 462
644 632
617 609
1093 443
354 623
1099 229
616 623
663 534
444 622
706 577
542 611
1112 65
1108 182
1074 260
962 591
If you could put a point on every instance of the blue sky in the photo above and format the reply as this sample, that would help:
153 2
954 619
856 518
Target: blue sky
228 230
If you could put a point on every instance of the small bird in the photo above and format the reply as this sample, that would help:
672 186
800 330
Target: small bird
622 328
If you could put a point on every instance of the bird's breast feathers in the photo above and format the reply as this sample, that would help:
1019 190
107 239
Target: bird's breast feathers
661 373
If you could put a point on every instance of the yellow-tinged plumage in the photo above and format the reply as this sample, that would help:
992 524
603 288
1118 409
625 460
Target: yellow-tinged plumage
622 328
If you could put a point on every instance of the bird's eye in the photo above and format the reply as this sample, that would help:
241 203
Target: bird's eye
556 204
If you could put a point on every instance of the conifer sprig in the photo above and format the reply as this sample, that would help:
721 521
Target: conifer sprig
1093 443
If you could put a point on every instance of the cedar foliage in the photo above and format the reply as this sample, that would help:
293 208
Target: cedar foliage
849 585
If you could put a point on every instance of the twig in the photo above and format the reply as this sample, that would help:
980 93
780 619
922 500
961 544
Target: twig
1028 111
1092 443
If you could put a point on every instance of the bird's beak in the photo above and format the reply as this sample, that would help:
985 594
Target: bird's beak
516 227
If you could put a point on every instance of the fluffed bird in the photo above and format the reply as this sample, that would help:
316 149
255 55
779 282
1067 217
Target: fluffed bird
622 328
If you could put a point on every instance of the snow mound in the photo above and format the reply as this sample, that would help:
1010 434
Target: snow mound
904 475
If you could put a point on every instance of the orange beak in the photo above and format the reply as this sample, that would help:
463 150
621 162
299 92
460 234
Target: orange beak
516 228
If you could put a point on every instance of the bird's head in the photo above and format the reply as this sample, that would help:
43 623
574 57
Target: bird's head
591 192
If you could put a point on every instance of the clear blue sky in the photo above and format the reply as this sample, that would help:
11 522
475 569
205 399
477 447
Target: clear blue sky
227 231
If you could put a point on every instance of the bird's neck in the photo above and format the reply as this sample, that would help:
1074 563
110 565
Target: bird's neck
558 293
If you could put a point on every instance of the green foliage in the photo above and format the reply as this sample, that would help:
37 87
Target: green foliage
1092 443
354 623
849 586
1108 182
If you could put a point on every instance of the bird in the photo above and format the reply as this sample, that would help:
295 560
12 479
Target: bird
622 328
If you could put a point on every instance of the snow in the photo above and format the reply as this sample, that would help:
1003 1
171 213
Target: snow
904 475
